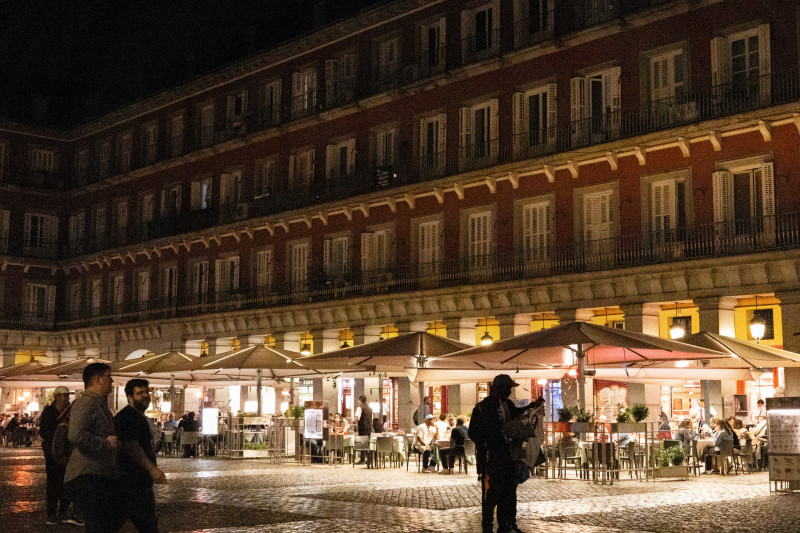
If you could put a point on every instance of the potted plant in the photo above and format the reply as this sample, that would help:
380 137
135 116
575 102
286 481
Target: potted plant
583 421
626 421
255 449
669 463
564 416
294 414
639 412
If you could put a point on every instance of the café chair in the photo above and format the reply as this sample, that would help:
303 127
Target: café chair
361 448
168 444
468 450
335 449
411 451
744 458
189 438
384 446
724 458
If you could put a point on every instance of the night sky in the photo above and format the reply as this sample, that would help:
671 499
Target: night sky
87 57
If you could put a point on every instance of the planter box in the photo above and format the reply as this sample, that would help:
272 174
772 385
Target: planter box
561 427
628 427
581 427
254 453
671 471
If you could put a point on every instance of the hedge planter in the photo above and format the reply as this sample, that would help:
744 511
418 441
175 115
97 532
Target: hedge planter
247 454
581 427
628 427
671 471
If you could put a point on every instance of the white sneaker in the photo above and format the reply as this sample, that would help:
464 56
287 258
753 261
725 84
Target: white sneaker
444 471
431 468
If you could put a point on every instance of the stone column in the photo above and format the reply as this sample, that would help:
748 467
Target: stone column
565 316
318 344
507 326
641 317
406 401
790 324
358 335
717 314
453 326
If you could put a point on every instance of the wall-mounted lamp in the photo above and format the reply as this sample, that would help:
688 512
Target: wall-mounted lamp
486 339
676 330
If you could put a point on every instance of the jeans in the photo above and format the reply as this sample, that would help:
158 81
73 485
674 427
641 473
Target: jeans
501 493
54 493
97 498
140 505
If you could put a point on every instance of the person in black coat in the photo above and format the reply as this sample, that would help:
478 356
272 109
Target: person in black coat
56 504
493 454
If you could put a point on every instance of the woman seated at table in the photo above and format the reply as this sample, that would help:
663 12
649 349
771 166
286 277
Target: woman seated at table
720 436
739 429
685 435
664 429
339 425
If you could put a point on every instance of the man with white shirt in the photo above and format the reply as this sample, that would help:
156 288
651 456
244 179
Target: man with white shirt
423 438
761 411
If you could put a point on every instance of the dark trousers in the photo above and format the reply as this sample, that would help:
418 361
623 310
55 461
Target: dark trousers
54 494
501 493
426 458
140 505
97 499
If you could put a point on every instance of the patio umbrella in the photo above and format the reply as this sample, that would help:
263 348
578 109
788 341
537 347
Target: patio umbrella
743 352
556 347
253 360
20 369
152 364
454 376
65 370
412 350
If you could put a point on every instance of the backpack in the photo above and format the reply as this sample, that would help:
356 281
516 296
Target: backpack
415 417
62 448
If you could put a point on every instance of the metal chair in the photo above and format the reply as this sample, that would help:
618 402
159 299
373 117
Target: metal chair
361 444
745 457
384 446
190 438
569 453
721 458
335 449
168 444
412 451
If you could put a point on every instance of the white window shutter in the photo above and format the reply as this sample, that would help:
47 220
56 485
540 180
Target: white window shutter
442 134
720 61
218 275
51 230
244 102
423 138
579 100
331 161
764 62
231 107
297 84
291 169
27 230
679 76
466 127
723 206
493 125
551 113
768 192
351 156
234 273
367 251
50 300
520 121
326 256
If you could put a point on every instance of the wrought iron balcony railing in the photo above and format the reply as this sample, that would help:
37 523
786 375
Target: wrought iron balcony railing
735 237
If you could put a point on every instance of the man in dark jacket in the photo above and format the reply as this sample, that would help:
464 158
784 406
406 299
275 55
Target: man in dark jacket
493 454
48 423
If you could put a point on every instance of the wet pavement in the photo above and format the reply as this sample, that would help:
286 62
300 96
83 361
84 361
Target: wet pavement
226 496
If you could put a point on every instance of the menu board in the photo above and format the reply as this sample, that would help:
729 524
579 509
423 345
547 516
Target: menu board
783 425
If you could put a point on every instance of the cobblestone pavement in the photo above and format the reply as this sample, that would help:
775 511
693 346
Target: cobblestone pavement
226 496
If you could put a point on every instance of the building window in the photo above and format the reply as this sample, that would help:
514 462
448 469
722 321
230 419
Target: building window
376 252
429 244
201 194
122 222
40 303
96 295
479 239
272 103
41 234
231 189
146 214
77 226
82 165
479 32
340 80
536 224
595 107
150 144
199 281
43 161
335 257
237 109
104 159
478 134
207 126
388 61
265 177
171 202
169 285
741 66
341 159
99 226
176 137
264 271
118 293
432 145
226 277
143 289
534 121
432 47
744 197
304 92
125 153
301 168
298 265
598 216
74 299
533 20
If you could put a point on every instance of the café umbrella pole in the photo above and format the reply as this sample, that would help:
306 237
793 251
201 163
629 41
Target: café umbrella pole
172 392
421 415
581 380
258 391
380 398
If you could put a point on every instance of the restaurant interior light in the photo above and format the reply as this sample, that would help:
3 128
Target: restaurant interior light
572 372
305 349
486 339
344 344
542 381
676 330
758 325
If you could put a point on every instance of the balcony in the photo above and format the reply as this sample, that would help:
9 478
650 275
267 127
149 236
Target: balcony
735 237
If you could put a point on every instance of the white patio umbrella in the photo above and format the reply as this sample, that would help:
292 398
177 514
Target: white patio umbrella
556 347
396 354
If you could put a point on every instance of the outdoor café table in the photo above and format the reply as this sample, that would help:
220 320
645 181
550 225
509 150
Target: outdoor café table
347 442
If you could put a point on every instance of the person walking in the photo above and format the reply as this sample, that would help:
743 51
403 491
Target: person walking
138 458
56 504
363 421
493 454
91 474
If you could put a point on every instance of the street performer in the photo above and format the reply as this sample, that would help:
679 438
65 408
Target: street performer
493 454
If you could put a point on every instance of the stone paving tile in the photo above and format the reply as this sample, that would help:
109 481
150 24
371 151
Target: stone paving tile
226 496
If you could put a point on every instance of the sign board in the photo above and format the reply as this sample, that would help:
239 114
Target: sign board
783 426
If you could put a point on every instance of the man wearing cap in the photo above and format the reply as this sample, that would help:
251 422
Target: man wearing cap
54 494
493 454
423 437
